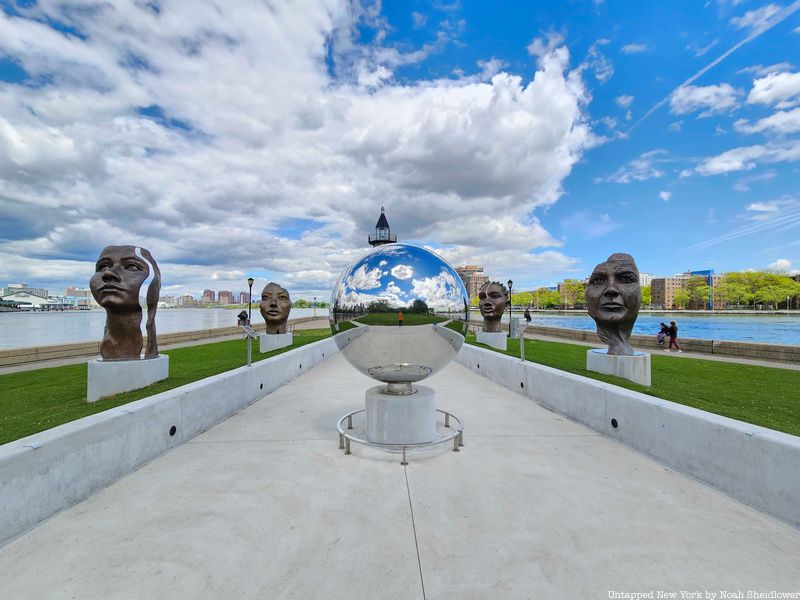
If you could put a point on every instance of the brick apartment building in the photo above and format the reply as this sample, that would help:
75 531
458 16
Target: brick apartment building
473 278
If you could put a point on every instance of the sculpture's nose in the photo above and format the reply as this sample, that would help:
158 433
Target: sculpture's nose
111 274
611 292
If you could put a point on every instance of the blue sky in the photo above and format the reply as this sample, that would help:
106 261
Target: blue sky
534 138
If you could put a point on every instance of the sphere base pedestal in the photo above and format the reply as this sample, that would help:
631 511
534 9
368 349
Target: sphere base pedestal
400 419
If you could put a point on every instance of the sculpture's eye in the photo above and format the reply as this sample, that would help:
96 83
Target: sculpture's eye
599 280
132 267
103 266
628 278
283 298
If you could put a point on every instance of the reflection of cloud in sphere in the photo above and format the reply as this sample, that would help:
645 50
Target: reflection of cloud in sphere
363 279
402 271
365 306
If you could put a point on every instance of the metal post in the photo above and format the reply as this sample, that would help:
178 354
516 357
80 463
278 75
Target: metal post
249 350
315 307
522 342
341 442
510 303
347 445
405 462
447 419
460 438
455 444
350 422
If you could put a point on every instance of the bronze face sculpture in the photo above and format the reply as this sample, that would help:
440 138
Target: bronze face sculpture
492 300
275 306
120 274
613 297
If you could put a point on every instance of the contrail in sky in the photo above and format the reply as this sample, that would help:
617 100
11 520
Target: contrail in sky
786 221
778 17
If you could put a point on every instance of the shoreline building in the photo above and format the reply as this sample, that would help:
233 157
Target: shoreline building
645 279
383 233
225 297
209 296
663 289
473 278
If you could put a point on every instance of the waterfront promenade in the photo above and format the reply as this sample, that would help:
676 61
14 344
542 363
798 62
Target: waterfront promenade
264 506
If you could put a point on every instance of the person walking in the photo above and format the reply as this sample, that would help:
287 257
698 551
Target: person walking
527 316
673 336
662 334
400 318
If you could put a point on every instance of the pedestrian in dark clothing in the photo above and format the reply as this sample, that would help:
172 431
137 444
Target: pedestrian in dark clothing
527 317
662 334
672 332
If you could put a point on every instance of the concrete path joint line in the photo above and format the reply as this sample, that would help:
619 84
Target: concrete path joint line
414 527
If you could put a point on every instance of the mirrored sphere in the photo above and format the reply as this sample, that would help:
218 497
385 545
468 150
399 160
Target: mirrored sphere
399 313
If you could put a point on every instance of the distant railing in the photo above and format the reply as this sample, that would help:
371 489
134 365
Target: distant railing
389 239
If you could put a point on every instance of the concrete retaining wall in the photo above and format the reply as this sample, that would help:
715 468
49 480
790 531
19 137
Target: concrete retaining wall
755 465
20 356
760 351
55 469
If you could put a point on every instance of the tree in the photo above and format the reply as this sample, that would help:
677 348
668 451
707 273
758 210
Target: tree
647 298
418 306
681 298
301 303
699 292
572 292
379 306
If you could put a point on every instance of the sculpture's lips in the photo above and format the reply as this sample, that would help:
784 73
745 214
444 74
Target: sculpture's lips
612 306
273 313
110 288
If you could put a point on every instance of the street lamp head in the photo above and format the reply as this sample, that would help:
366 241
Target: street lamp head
250 281
510 283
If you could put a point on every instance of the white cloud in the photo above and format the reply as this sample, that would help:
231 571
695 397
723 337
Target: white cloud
781 122
419 19
758 19
624 101
710 99
676 126
782 265
743 183
597 61
745 158
264 116
402 272
699 50
665 196
585 225
228 276
781 89
634 48
761 70
639 169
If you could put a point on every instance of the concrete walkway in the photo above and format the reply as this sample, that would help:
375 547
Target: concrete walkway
534 506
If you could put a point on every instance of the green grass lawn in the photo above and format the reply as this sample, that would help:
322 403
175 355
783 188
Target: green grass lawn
32 401
759 395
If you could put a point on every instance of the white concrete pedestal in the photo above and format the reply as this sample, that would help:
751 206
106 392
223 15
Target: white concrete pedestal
108 377
267 342
635 368
392 419
496 339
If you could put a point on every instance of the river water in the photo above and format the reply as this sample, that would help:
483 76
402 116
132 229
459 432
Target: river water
21 329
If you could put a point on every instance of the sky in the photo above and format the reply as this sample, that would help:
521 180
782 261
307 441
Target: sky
261 138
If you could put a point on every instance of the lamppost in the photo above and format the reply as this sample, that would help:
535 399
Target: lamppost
315 307
510 297
250 281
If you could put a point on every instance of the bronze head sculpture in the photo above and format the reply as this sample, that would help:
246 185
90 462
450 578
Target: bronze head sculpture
492 300
613 298
275 306
120 274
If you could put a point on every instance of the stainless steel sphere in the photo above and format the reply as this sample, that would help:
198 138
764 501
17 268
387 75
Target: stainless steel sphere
399 314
